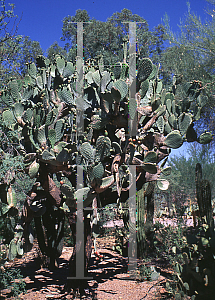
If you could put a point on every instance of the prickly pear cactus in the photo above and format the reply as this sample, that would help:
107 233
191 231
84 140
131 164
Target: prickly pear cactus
49 102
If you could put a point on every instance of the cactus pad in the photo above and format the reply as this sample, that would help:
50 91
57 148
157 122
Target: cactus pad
60 62
103 146
166 171
163 184
205 138
174 139
117 70
160 124
8 118
68 70
144 69
150 157
41 135
27 115
12 253
144 88
32 70
184 122
14 89
132 108
86 151
98 171
52 137
59 129
46 155
33 170
119 90
96 77
66 95
150 168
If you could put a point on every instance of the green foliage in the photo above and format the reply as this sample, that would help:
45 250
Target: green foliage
49 143
182 177
110 34
191 55
12 279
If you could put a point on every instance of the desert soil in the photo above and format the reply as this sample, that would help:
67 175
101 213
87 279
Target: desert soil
109 281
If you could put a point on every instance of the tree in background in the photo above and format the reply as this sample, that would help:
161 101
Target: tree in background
182 178
191 53
106 38
15 50
55 49
8 39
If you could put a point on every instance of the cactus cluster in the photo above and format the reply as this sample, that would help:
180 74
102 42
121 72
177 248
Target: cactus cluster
46 105
195 264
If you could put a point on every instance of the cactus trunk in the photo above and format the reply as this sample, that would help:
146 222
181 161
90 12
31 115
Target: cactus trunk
203 193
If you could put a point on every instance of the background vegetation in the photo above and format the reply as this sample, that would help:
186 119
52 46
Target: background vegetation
190 54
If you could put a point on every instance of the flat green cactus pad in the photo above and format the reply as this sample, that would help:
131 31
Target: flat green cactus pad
174 140
205 138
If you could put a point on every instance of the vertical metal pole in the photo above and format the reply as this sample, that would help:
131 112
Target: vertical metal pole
132 76
79 80
79 227
132 246
80 246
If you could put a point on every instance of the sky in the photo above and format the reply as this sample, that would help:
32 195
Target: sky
42 20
